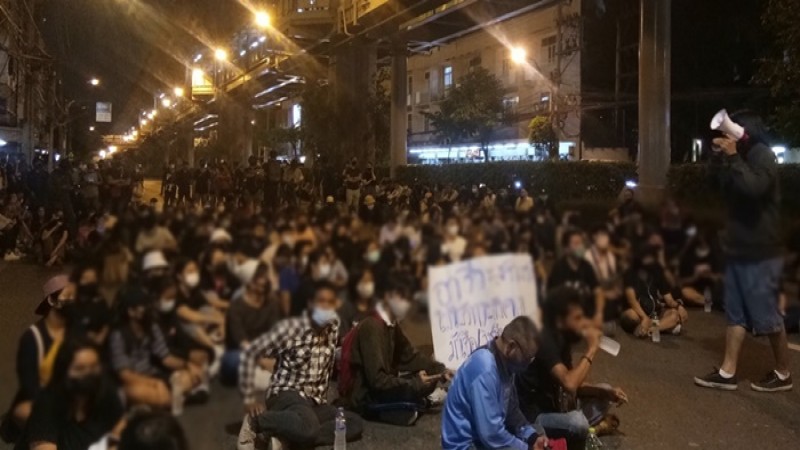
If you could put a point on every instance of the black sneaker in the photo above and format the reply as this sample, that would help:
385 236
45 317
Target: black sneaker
771 383
716 381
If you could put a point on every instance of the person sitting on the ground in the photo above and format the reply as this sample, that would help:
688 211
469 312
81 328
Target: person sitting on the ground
606 268
78 408
297 409
648 294
700 272
37 352
572 270
134 344
201 321
153 236
92 314
482 407
153 431
551 386
253 312
374 355
217 282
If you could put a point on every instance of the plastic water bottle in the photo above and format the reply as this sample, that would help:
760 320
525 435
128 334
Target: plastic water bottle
592 441
708 300
340 433
655 330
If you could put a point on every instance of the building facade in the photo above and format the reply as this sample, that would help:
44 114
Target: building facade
536 56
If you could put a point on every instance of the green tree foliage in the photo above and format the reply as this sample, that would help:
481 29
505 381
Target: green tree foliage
293 136
780 70
472 110
543 138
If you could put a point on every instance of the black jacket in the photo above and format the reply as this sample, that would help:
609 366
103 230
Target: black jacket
749 185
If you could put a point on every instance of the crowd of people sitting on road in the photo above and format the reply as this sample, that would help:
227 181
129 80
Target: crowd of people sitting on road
283 286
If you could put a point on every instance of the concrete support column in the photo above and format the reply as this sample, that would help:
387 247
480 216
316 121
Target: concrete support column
399 110
655 61
354 68
185 140
235 132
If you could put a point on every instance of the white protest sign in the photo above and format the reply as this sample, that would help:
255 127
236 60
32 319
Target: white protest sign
471 302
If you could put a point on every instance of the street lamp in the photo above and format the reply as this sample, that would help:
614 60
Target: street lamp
220 54
178 91
94 82
166 102
143 122
519 55
91 128
262 19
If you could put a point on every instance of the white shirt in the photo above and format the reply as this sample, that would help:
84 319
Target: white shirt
384 314
455 248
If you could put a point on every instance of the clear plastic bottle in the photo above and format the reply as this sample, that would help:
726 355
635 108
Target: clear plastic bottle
592 441
708 301
655 330
340 432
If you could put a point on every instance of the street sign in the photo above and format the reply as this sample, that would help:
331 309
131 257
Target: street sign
103 112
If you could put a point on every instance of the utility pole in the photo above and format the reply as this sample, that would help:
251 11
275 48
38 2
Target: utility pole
655 64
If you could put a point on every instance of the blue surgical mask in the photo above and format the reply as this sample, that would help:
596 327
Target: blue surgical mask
323 317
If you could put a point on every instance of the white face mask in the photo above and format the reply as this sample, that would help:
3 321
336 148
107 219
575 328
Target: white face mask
192 279
452 230
323 317
374 256
166 306
366 289
324 270
399 307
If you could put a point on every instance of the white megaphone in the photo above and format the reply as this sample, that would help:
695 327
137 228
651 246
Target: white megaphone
722 122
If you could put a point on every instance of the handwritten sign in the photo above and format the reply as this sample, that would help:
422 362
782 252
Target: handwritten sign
471 302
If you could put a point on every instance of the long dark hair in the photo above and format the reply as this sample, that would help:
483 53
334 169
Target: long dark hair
153 431
64 358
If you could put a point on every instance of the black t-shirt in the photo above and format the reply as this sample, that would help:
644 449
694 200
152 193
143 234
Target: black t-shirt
195 300
91 314
51 421
352 178
222 282
650 287
246 323
694 264
539 391
582 279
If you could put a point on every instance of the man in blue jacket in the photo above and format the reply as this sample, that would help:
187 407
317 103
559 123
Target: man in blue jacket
482 409
748 174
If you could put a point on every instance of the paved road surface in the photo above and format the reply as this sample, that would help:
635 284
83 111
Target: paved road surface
666 411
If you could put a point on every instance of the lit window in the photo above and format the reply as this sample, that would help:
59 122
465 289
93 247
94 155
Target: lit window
448 77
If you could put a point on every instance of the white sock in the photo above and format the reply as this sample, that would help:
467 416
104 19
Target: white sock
783 377
724 374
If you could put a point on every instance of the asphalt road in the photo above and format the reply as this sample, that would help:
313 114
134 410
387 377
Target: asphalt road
665 411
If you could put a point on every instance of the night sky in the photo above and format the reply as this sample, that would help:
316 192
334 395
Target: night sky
136 47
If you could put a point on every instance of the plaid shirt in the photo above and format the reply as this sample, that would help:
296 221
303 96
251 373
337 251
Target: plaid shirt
304 359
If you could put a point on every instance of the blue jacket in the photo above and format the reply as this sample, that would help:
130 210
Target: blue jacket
482 409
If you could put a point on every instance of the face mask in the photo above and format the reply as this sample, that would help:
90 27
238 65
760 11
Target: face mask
399 307
366 289
288 240
166 306
518 367
579 252
324 270
370 207
452 230
702 252
88 291
373 256
85 385
323 317
192 279
66 309
304 260
540 219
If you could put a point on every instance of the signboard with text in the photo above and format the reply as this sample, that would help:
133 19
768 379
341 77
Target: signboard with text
103 112
471 302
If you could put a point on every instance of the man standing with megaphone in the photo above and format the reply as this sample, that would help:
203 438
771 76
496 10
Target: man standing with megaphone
748 174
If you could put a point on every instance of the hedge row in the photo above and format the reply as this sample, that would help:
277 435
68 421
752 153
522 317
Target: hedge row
589 181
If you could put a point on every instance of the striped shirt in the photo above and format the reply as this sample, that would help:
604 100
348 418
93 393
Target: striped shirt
137 355
305 357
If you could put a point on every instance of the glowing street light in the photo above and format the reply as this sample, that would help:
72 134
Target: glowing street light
94 82
91 128
519 55
166 102
262 19
178 91
143 122
220 54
